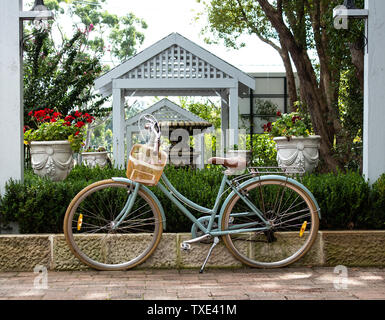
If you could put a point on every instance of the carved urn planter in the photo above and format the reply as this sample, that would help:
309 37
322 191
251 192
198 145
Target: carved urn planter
298 152
52 159
93 159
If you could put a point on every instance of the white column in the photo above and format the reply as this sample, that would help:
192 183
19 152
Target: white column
233 116
128 140
224 119
374 93
199 146
118 123
11 106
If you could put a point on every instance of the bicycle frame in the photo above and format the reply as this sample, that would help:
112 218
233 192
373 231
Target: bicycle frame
181 202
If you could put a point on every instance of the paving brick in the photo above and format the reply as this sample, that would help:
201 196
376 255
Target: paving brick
283 284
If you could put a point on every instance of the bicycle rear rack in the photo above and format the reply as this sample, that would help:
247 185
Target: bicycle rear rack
252 172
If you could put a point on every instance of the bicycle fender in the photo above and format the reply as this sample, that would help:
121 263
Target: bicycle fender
263 178
151 194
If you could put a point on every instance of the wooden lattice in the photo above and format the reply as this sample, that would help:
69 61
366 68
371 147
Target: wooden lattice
175 62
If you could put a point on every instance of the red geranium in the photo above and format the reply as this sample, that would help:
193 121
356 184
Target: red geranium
78 114
69 118
80 124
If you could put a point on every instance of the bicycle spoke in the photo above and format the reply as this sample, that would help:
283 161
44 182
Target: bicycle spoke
111 244
287 208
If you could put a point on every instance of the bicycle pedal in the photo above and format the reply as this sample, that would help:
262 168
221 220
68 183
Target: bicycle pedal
185 246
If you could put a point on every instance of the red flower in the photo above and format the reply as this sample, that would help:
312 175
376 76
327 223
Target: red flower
78 114
30 113
279 113
69 118
89 120
80 124
68 124
77 132
56 114
53 120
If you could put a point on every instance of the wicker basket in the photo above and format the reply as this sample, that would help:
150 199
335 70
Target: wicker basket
145 167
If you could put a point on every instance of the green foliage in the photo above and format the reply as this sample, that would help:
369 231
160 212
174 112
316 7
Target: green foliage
52 131
311 26
376 218
39 205
60 79
117 36
288 125
205 110
266 109
343 199
264 152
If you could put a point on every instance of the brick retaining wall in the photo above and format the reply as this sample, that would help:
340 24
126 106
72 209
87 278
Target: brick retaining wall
332 248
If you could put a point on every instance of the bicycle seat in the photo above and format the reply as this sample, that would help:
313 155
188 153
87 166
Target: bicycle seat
234 163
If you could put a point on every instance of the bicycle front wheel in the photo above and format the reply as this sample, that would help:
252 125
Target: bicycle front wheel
291 213
94 236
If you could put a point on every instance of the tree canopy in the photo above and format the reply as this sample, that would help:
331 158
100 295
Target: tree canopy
325 60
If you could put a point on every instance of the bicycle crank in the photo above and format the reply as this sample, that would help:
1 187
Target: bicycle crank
186 245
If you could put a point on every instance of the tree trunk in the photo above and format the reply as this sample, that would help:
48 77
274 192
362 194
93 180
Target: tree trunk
314 97
291 87
358 54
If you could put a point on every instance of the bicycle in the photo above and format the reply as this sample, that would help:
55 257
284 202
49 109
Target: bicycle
265 220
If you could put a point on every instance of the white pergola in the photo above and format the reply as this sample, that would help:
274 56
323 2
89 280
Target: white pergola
167 111
174 66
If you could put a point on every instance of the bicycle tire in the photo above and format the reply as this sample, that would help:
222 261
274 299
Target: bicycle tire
84 248
265 243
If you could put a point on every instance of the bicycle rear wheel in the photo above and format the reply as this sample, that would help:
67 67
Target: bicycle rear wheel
93 235
290 211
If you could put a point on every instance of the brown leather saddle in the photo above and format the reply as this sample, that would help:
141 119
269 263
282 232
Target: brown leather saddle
234 163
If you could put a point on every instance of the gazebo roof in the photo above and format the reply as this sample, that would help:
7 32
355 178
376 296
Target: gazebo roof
173 66
169 114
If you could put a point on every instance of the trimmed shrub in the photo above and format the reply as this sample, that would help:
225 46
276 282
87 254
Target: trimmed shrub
343 199
39 205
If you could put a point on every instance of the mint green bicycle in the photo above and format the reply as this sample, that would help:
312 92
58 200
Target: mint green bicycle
266 218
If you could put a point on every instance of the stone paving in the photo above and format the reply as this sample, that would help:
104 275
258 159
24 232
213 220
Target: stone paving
214 284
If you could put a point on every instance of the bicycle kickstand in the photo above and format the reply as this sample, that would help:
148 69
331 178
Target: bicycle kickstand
216 240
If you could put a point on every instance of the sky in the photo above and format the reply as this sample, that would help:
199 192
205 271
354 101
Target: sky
166 16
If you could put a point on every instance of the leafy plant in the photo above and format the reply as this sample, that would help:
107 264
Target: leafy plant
51 127
266 109
288 125
263 150
94 149
62 77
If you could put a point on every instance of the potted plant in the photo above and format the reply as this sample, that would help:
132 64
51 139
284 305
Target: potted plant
296 146
93 157
54 141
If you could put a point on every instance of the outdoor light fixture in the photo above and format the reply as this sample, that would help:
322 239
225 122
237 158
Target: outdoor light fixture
39 15
349 4
349 10
39 6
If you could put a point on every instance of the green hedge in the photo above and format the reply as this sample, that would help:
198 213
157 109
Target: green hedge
39 205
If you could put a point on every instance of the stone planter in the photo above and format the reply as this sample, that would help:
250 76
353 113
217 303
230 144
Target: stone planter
298 152
52 159
244 154
93 159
